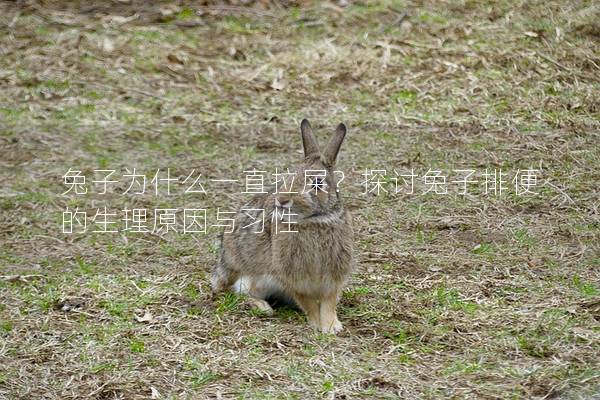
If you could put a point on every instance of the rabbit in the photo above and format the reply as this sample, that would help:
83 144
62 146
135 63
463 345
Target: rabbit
307 263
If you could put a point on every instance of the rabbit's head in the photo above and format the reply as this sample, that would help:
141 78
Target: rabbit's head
314 190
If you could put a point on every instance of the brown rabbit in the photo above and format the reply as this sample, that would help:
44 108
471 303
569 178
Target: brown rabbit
310 260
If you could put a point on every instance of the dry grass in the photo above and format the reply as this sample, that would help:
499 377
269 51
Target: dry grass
455 297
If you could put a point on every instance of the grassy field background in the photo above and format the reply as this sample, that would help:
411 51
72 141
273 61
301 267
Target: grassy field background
475 296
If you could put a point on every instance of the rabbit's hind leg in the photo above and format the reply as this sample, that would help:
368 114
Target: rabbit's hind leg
262 305
256 290
222 278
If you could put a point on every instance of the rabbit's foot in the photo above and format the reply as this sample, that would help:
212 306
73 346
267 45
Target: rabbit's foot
262 306
328 317
332 327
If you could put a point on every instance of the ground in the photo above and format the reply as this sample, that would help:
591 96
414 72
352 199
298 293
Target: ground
482 295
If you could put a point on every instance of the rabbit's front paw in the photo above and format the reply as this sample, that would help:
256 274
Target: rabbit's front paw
332 327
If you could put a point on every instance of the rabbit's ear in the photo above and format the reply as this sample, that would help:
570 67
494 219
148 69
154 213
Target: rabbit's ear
333 147
309 141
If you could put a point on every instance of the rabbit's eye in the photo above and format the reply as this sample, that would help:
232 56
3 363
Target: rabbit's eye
318 184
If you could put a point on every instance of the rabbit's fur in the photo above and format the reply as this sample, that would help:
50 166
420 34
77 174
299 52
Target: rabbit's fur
309 266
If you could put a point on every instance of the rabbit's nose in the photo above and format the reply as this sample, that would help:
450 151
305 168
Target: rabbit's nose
283 202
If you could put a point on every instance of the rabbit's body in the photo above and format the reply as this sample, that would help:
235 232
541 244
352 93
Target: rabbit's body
319 258
307 261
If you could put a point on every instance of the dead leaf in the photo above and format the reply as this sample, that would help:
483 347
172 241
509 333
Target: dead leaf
236 54
174 59
107 45
147 317
278 82
70 304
